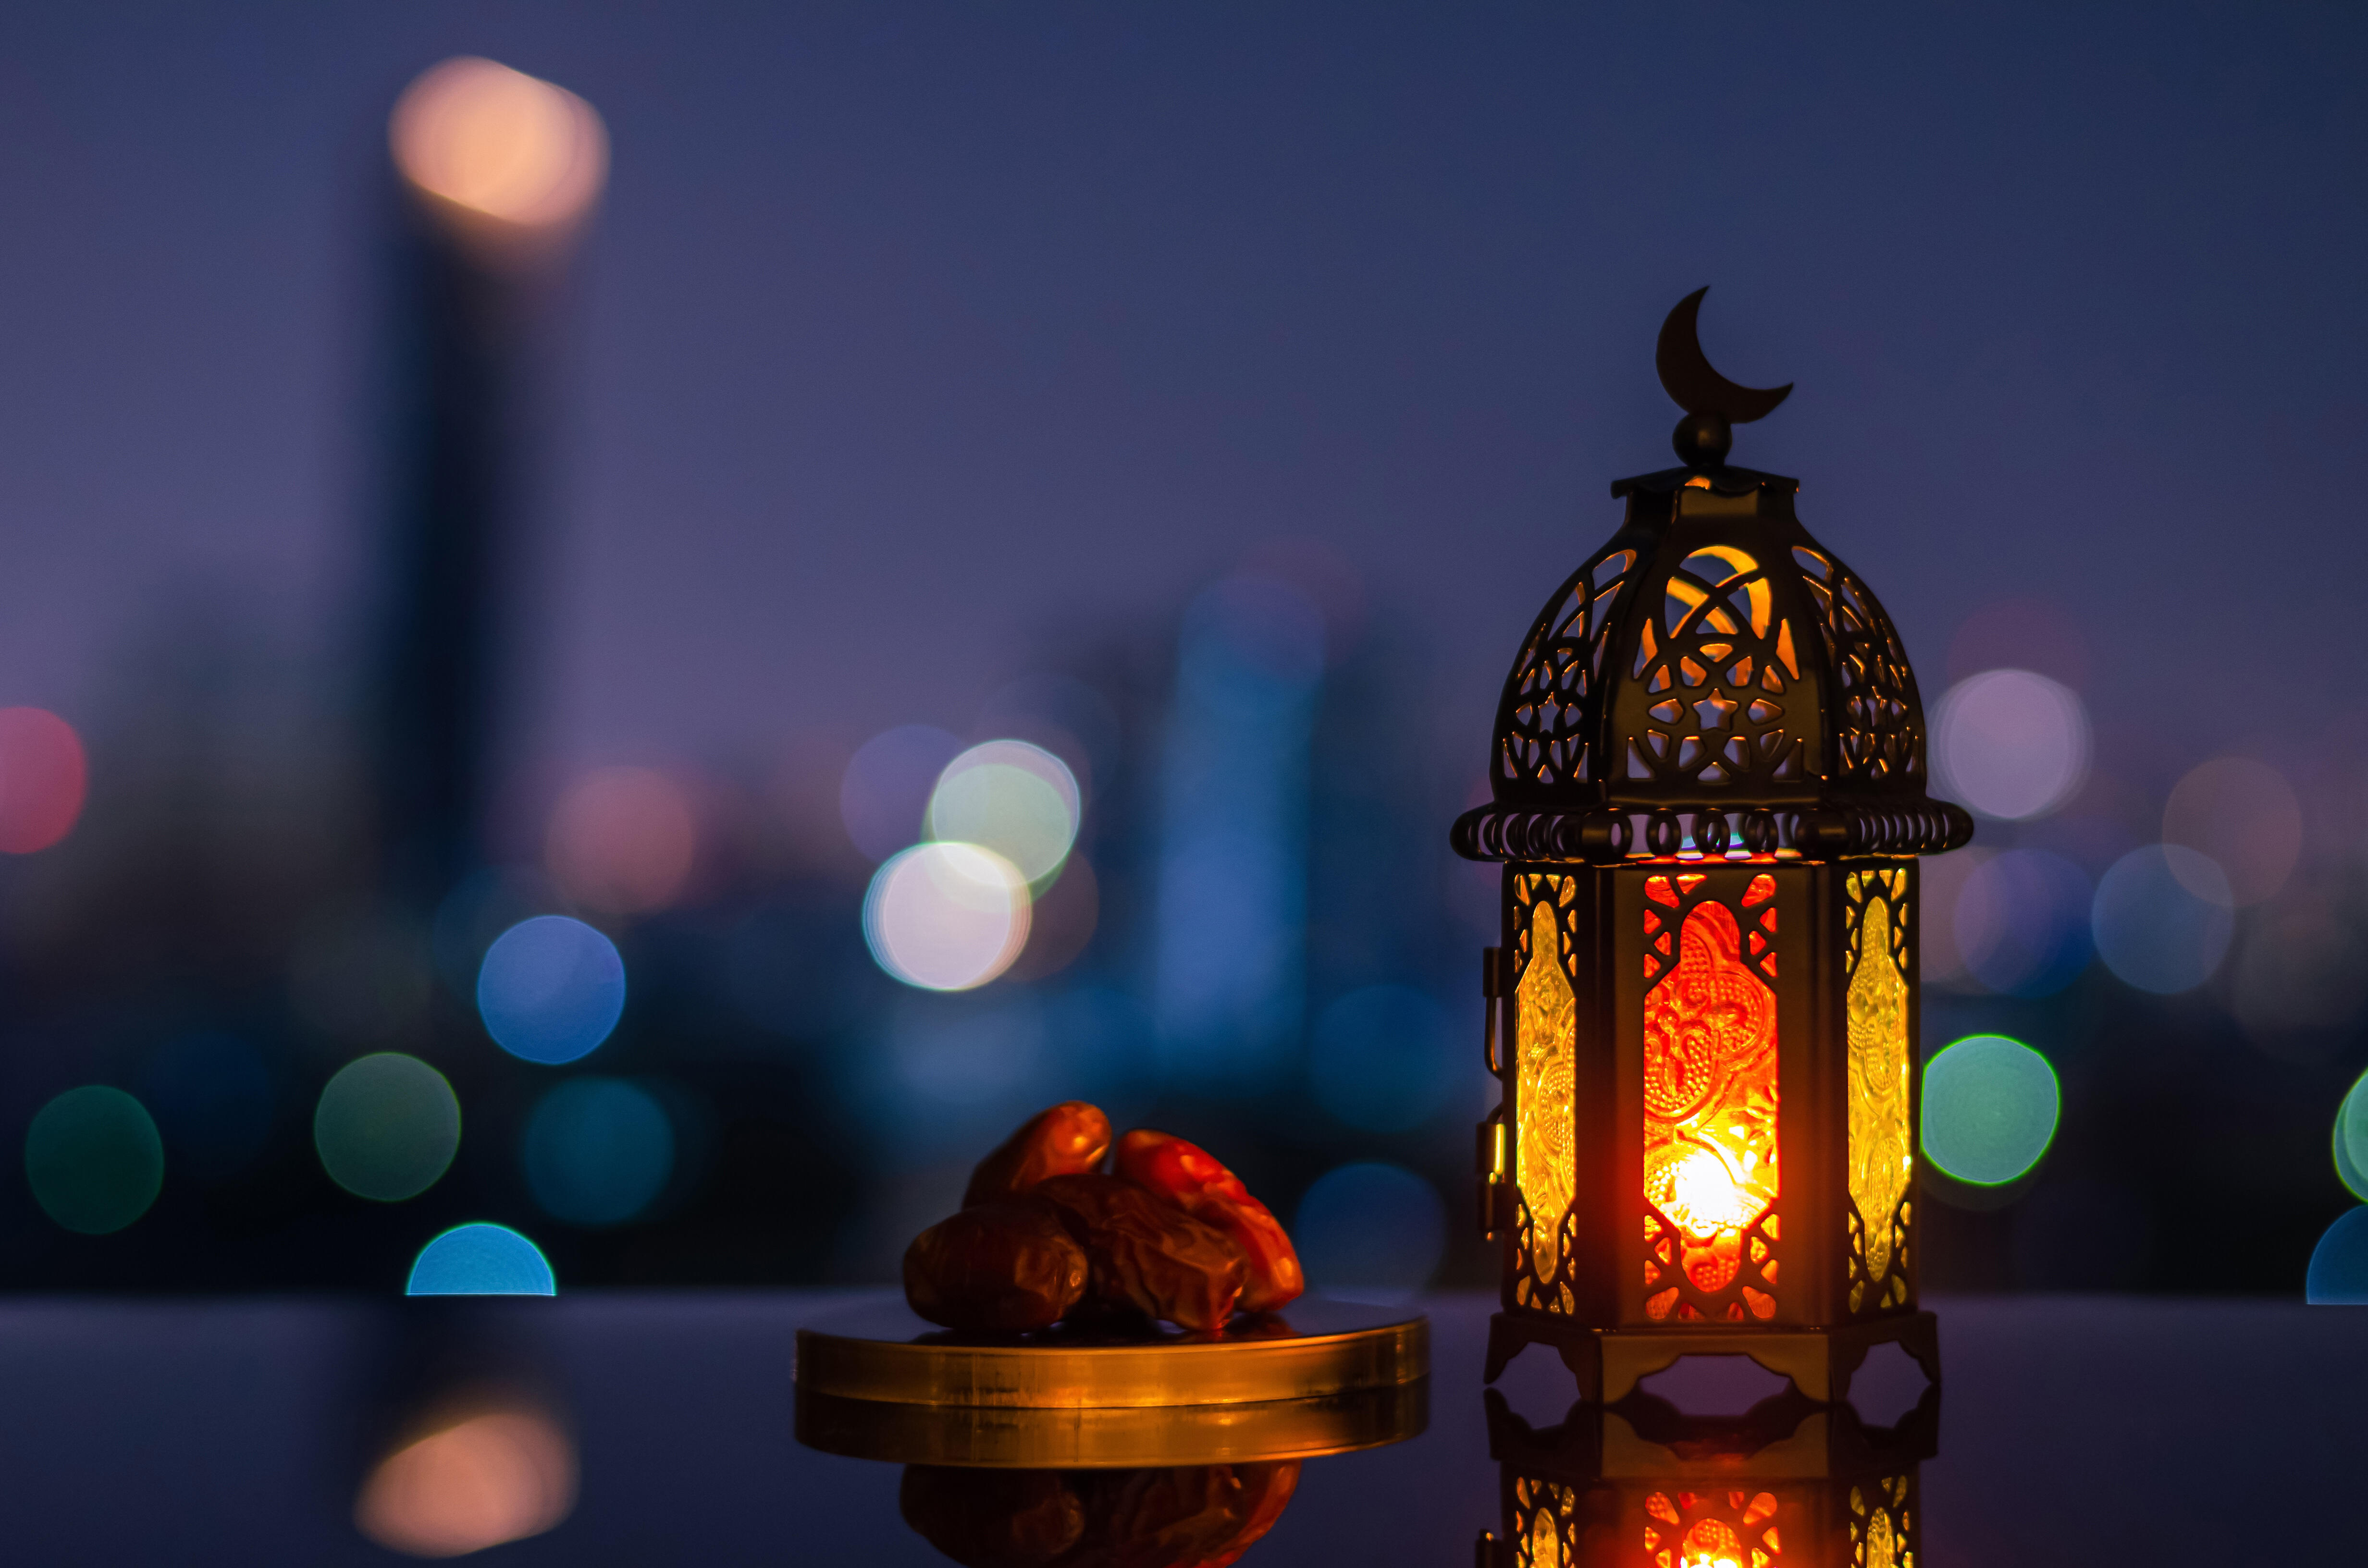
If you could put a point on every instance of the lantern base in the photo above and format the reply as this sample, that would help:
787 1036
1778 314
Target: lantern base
1609 1362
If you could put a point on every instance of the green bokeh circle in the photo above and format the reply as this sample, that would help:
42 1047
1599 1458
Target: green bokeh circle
94 1159
387 1126
2351 1139
1990 1109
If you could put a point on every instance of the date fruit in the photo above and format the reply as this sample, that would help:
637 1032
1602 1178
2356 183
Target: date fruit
1149 1254
997 1268
1070 1138
1190 1177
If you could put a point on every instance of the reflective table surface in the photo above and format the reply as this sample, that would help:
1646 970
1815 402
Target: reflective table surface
239 1431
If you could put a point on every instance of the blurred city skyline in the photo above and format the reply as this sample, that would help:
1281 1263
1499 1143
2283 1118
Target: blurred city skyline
1209 400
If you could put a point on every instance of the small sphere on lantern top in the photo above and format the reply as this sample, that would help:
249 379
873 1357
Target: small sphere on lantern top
1703 438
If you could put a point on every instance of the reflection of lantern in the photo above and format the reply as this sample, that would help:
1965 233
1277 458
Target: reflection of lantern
1788 1484
1709 789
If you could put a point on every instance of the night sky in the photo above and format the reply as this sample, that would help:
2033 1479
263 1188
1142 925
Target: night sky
911 336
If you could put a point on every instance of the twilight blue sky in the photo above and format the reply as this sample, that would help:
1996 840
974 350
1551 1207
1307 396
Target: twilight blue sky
908 332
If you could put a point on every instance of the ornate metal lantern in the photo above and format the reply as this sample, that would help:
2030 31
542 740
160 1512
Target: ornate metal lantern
1709 793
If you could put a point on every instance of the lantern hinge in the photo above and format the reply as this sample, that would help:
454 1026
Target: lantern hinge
1492 1158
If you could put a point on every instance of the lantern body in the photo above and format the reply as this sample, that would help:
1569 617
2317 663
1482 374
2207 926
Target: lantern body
1709 795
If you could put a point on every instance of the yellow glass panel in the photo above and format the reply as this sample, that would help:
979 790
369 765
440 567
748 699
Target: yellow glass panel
1880 1061
1710 1097
1545 1040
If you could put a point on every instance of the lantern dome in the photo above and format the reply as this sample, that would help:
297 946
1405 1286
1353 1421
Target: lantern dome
1713 681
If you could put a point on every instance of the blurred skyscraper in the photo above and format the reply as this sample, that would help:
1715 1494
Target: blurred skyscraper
498 172
1230 984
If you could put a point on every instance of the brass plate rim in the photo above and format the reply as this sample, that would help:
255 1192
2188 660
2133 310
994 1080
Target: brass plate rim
1113 1438
1391 1346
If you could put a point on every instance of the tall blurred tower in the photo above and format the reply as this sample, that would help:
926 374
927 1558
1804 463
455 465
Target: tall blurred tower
1230 981
499 172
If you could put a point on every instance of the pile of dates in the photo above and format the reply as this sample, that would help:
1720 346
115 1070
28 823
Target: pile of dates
1045 1236
1203 1516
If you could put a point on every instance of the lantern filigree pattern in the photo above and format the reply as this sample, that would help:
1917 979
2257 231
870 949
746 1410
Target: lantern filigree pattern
1882 1068
1717 662
1880 738
1544 1039
1547 737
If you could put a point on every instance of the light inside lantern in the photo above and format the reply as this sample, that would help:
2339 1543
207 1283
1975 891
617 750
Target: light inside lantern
1704 1540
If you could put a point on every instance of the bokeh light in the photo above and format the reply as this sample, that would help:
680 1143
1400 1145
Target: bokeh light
1990 1109
94 1159
2010 743
481 1259
1013 798
551 989
491 1477
597 1151
2243 814
622 840
2339 1265
43 777
2351 1139
1370 1232
387 1126
946 916
212 1097
2021 925
499 143
1382 1059
2163 916
883 797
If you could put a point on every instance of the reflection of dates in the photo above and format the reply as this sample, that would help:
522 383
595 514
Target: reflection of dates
1146 1253
997 1268
991 1518
1195 1181
1201 1517
1070 1138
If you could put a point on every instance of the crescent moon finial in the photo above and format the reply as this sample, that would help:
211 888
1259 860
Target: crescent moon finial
1687 376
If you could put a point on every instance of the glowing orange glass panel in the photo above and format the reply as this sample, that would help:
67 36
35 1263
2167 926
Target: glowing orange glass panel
1710 1099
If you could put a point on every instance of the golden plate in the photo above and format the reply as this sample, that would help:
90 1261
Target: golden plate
1312 1349
1114 1437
